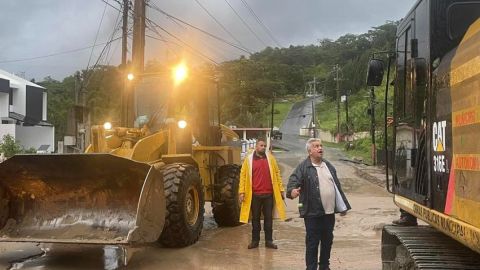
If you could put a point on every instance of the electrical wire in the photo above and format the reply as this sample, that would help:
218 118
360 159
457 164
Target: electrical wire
53 54
246 24
98 31
269 33
163 39
155 25
199 29
210 47
221 25
86 82
181 41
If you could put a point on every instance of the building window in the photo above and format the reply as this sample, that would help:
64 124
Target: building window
10 97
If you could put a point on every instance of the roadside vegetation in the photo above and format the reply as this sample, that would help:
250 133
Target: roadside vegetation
248 84
9 147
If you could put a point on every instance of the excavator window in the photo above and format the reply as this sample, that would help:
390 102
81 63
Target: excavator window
460 17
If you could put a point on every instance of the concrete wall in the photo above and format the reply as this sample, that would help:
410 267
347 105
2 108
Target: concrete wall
34 137
7 129
326 136
3 104
323 135
44 107
19 99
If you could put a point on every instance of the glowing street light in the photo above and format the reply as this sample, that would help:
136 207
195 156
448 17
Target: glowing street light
180 73
130 77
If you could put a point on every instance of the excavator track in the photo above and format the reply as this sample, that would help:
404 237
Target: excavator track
423 247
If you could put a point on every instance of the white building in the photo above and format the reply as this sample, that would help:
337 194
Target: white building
23 113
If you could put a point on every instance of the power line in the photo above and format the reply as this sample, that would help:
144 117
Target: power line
183 42
98 31
168 42
53 54
210 47
163 39
245 23
198 29
221 25
102 53
261 23
155 25
157 8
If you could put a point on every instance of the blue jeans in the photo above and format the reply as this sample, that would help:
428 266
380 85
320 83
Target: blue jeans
319 231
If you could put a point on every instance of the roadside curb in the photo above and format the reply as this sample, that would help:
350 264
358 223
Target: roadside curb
363 172
279 146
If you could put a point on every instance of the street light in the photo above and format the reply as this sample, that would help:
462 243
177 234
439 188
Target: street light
180 73
130 76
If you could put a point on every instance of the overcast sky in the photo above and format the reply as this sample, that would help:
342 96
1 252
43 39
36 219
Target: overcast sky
34 29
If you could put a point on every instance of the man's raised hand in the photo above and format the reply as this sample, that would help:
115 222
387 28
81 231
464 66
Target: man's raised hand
295 192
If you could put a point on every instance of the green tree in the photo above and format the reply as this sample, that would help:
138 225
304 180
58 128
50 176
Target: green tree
9 146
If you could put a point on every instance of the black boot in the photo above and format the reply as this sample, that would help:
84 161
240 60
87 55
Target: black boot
270 244
405 221
253 244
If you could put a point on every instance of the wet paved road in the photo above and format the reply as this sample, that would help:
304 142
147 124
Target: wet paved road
356 243
299 116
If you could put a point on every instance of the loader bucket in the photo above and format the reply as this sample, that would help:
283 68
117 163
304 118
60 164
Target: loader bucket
80 198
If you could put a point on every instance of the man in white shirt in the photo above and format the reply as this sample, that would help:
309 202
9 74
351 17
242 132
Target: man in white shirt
315 181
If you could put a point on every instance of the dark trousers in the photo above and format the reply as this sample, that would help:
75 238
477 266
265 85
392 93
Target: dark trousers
262 203
319 229
408 216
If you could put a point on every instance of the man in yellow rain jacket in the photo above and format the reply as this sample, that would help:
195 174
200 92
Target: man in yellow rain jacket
261 191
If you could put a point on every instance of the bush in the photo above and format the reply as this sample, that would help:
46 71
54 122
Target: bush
9 146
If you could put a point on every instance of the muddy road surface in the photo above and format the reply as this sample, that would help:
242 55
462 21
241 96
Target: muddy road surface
356 243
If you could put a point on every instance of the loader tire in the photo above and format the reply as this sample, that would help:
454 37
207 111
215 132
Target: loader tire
226 207
185 205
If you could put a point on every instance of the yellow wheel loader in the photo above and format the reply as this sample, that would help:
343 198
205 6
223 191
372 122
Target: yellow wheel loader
133 185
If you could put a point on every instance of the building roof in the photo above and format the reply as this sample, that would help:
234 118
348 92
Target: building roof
15 80
27 120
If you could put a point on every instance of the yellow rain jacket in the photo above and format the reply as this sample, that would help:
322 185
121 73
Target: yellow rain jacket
246 187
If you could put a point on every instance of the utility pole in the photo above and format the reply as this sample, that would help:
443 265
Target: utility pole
273 107
338 99
124 62
372 115
313 107
138 50
346 111
138 44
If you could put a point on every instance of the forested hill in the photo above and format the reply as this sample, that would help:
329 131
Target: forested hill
248 84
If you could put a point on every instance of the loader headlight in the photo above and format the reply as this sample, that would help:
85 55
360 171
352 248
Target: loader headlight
182 124
107 126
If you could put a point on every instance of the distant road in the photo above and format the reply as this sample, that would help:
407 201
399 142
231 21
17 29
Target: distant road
299 116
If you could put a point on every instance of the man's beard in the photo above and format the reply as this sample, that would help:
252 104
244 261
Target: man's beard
260 153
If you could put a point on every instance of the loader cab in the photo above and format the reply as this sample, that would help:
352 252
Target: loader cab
189 110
